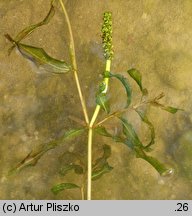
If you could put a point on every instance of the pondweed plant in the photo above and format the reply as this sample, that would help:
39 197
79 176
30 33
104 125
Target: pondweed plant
94 169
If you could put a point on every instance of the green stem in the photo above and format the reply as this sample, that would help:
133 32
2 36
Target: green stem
74 63
82 192
90 134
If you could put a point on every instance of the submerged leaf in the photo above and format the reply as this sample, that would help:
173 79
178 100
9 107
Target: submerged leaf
169 109
102 100
64 170
101 130
100 162
132 138
160 167
63 186
136 75
125 83
28 30
73 133
100 172
32 158
77 168
106 151
101 165
134 142
150 125
41 58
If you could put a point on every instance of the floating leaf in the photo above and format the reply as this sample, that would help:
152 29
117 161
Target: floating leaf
100 172
77 168
28 30
125 83
101 99
150 125
73 133
136 75
63 186
41 58
132 138
160 167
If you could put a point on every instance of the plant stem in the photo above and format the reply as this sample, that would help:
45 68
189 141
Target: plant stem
82 192
106 81
98 107
114 114
118 112
89 163
90 134
74 63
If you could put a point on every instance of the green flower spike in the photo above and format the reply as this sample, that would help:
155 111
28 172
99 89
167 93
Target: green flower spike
107 35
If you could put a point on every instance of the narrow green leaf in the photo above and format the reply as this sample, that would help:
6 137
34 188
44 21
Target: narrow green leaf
100 172
160 167
170 109
32 158
28 30
101 99
41 58
73 133
136 75
134 143
101 130
63 186
101 165
150 125
125 83
132 137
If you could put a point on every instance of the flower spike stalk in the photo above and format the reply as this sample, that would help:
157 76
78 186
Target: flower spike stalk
108 54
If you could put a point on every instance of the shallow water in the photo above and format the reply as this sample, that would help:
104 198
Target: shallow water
152 36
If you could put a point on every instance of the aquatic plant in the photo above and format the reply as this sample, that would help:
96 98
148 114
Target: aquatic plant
94 168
